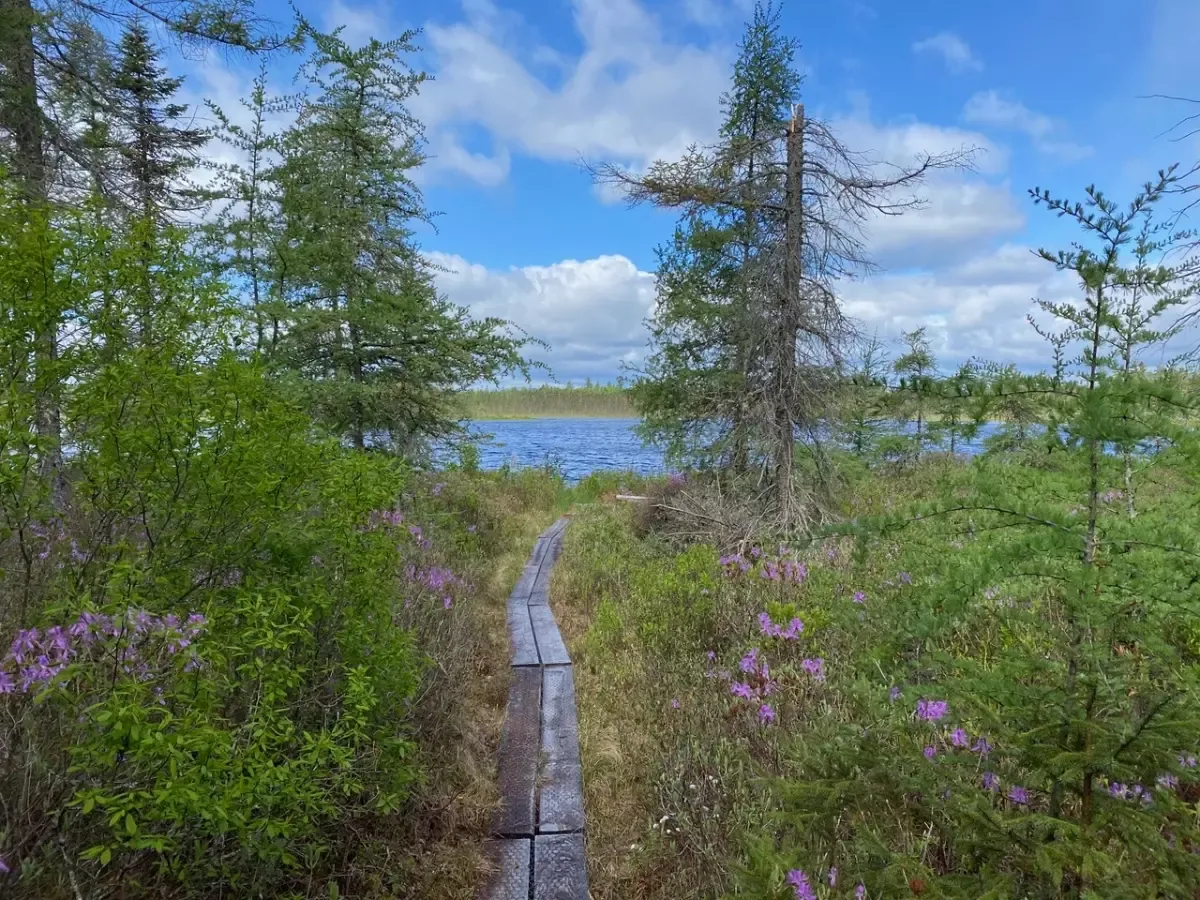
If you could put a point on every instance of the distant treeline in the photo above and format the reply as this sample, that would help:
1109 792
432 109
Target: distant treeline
549 401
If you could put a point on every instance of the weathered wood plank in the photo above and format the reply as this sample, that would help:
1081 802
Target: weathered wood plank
510 860
540 594
524 585
521 636
517 768
559 872
551 649
560 799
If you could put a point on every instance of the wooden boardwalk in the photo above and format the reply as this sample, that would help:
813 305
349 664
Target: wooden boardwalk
537 834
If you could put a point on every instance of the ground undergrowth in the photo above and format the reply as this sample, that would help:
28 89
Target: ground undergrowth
935 701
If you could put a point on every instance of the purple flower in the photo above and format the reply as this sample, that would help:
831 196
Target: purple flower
860 891
1168 782
26 641
905 578
930 752
675 703
1188 762
959 738
1116 789
932 710
795 572
860 597
766 714
437 488
769 628
833 876
815 668
4 869
1018 795
741 689
894 694
981 746
712 655
991 782
799 882
7 685
750 661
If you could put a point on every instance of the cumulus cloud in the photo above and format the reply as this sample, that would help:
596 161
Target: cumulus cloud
962 209
954 51
976 308
591 312
991 109
631 96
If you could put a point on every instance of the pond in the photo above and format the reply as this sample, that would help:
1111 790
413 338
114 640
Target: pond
578 446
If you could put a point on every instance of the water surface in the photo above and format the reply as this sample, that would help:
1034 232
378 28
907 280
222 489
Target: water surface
577 446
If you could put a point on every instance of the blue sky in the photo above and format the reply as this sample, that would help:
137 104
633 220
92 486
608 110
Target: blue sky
1051 93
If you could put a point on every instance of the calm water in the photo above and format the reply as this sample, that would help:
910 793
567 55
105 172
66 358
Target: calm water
577 447
580 446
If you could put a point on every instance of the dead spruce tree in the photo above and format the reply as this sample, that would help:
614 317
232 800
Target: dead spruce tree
809 198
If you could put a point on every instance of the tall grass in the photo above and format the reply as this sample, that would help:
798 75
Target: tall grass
549 402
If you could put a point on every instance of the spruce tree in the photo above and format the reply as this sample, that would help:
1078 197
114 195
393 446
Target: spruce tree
787 201
917 368
158 143
694 393
375 349
36 62
246 229
864 412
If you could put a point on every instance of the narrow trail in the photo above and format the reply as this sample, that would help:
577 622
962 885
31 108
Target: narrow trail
537 833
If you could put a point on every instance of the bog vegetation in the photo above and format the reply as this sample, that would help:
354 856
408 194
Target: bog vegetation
837 660
252 643
247 645
549 402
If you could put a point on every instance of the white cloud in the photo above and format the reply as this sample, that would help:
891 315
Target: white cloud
958 215
990 109
591 312
631 96
976 308
962 210
954 51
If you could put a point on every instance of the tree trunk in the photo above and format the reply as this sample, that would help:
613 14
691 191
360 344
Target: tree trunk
20 114
21 118
790 311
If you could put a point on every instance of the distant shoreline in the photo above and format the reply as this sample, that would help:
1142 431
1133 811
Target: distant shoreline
528 417
547 402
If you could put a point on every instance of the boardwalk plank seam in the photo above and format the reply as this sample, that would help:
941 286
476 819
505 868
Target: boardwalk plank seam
537 843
